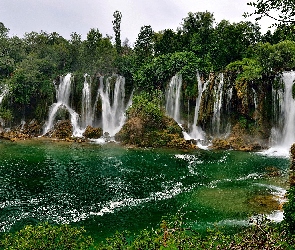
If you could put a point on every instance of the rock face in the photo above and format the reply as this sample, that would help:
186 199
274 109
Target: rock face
239 139
92 133
137 133
22 132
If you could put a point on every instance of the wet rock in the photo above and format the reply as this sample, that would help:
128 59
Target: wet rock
239 140
137 132
61 130
33 129
272 172
92 133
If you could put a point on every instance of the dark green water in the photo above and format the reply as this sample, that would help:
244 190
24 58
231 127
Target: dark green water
109 188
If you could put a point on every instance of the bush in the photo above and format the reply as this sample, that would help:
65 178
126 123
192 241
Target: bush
46 236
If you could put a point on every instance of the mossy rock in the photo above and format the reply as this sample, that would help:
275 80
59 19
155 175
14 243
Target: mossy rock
137 132
92 133
62 129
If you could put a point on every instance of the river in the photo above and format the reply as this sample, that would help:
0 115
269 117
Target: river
108 188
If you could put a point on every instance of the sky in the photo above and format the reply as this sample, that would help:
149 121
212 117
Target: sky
67 16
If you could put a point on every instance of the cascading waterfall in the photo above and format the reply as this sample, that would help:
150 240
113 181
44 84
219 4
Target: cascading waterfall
196 132
288 109
173 97
217 105
283 135
87 111
173 100
62 96
113 105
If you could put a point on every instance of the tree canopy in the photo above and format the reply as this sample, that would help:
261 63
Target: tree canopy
282 11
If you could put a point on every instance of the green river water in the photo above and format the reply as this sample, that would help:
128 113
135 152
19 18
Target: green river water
108 188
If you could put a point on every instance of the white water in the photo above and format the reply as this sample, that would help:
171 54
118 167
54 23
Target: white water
173 97
113 105
3 94
282 139
62 97
87 114
217 105
196 132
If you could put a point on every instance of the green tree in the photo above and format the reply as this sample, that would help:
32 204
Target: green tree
282 11
144 46
117 29
231 42
167 41
198 31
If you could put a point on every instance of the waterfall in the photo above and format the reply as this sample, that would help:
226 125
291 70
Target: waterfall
283 135
217 105
113 105
173 96
195 131
62 96
87 114
288 109
3 94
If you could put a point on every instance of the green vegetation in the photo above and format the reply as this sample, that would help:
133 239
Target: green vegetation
173 234
282 11
46 236
148 126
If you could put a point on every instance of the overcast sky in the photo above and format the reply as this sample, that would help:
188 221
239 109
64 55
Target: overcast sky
67 16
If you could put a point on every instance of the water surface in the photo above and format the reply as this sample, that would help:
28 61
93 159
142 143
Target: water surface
106 188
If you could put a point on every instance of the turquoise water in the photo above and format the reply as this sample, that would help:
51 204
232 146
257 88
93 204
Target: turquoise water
108 188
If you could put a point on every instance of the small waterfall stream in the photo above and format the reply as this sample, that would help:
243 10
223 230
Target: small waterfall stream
284 134
86 113
196 132
173 98
288 106
113 105
62 97
173 101
3 93
217 105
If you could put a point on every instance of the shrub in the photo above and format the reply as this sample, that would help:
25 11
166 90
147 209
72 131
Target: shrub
46 236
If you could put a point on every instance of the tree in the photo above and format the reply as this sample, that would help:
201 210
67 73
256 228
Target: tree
231 42
282 11
144 43
3 31
117 29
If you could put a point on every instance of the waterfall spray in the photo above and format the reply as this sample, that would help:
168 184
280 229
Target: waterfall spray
62 95
196 131
87 116
173 97
217 105
113 105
